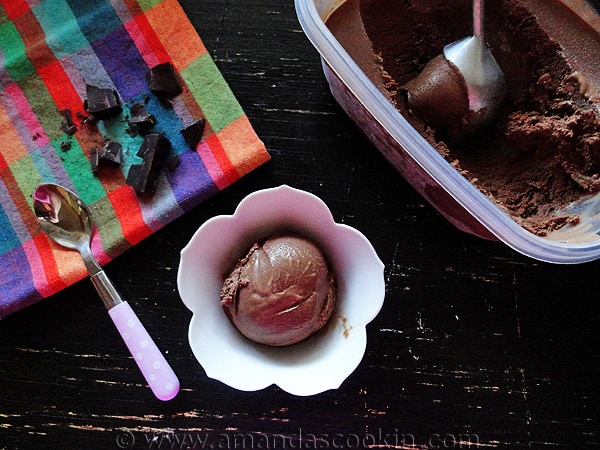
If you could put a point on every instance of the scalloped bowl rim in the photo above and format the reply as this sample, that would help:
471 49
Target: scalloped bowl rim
319 363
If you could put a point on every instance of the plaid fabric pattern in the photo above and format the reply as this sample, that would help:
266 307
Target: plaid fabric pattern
49 51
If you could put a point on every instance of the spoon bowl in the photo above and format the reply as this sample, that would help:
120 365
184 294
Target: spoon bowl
63 216
486 87
483 76
67 220
462 89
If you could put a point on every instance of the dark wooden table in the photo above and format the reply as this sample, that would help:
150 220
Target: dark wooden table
476 345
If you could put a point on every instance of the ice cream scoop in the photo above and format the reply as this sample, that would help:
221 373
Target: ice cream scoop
281 292
462 89
67 220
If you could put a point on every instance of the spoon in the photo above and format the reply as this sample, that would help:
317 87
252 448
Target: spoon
462 89
484 77
67 220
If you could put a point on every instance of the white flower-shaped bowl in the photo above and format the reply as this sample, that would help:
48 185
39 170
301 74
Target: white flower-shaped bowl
322 361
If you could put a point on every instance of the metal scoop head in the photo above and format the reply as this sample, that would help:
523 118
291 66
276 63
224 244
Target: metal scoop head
483 76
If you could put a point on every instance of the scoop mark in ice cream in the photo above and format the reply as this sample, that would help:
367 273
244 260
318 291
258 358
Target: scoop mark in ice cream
282 291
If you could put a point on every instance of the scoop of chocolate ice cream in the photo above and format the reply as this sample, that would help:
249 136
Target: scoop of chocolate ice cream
439 96
281 292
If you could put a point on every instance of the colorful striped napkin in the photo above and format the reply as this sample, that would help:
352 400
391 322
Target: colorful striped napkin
49 51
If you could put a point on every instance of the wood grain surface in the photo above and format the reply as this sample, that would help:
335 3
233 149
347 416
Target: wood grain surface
476 346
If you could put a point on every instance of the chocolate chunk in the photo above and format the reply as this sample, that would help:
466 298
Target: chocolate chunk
83 118
163 81
111 153
95 159
154 150
173 163
102 103
68 126
137 177
193 133
131 132
140 116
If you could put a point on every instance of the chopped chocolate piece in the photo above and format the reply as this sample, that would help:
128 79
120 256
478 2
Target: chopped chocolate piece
163 81
68 126
111 153
102 103
131 132
94 159
172 163
193 133
83 118
137 177
154 150
140 117
65 145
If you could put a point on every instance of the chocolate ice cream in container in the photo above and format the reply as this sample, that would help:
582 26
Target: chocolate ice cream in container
569 23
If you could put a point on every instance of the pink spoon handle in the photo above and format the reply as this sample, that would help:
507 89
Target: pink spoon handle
155 368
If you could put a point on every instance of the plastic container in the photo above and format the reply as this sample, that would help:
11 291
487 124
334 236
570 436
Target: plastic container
425 169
